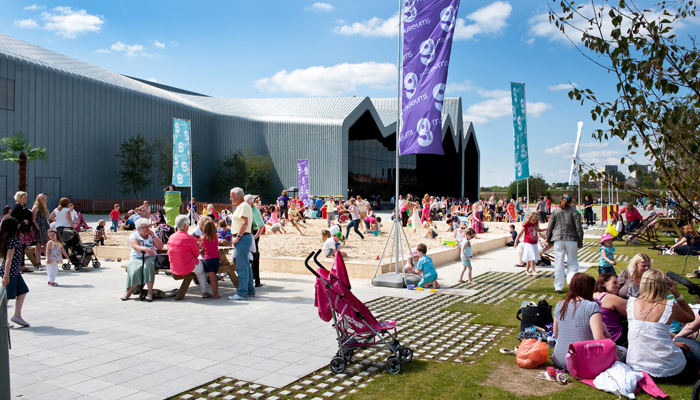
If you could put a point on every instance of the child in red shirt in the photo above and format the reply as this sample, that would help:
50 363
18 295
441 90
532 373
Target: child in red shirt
114 216
210 244
531 253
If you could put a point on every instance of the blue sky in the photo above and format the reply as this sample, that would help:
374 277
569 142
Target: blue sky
256 49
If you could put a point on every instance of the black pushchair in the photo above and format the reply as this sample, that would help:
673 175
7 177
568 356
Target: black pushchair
79 254
356 328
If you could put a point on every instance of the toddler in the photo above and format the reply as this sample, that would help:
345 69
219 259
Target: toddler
513 235
278 226
210 244
607 255
411 261
114 217
425 265
466 255
224 232
100 233
54 256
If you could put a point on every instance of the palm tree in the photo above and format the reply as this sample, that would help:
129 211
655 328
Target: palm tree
16 148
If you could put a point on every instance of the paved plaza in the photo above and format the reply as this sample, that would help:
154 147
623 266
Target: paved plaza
85 342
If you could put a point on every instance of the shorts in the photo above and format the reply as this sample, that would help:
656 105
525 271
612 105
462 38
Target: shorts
211 265
16 287
606 270
329 253
427 279
530 252
467 262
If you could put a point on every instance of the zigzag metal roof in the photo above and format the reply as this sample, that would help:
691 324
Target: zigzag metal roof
328 110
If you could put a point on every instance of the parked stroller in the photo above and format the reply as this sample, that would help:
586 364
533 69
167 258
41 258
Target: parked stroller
354 324
79 254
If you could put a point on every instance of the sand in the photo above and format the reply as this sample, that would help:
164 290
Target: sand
293 244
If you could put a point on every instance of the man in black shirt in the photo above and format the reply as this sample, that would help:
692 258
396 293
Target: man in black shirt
588 210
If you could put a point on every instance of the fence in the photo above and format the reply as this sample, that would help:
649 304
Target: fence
104 206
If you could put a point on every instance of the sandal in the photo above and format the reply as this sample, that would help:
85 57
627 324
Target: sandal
206 295
504 350
520 265
125 296
149 298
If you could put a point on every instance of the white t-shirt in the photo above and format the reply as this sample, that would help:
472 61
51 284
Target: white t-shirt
62 217
363 206
328 246
142 242
74 215
334 228
355 213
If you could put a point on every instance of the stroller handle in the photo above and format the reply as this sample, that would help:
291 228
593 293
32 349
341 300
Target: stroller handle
316 259
306 262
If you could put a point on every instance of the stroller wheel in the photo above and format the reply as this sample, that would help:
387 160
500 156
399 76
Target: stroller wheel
393 365
696 391
78 267
66 267
338 365
405 354
346 354
96 264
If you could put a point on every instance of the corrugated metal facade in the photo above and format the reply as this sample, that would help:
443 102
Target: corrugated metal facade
82 113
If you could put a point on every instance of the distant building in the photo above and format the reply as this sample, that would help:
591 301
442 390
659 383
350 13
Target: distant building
607 168
639 168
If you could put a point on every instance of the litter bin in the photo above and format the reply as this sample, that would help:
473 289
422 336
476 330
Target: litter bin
4 347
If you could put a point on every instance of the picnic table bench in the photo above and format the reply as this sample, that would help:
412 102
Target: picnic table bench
670 224
226 267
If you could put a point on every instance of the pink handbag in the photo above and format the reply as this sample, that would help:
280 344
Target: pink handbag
588 359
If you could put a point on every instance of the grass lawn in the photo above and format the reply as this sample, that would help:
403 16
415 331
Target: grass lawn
495 375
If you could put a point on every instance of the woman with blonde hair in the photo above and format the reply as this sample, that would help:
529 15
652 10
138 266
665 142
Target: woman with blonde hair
26 223
651 348
41 226
630 278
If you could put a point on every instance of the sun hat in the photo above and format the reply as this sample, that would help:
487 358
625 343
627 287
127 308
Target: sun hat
414 253
606 236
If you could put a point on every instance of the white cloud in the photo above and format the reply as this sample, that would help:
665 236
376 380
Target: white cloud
130 50
465 86
372 27
34 7
318 6
69 23
566 150
152 80
497 105
489 20
26 23
562 86
330 81
158 44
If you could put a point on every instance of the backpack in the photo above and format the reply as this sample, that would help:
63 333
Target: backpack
164 232
538 315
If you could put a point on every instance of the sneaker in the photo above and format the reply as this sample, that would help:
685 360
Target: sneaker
54 284
19 321
236 297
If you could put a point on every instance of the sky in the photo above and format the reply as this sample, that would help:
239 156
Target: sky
270 49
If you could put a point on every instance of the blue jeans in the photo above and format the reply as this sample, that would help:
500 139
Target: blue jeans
115 224
632 225
692 358
245 274
355 223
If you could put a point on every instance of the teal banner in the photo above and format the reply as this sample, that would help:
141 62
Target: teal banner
182 166
522 161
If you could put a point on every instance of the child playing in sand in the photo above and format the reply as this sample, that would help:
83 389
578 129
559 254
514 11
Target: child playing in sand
513 235
224 232
607 255
431 232
54 255
465 254
293 214
529 232
331 244
374 224
100 234
425 265
411 261
278 227
212 261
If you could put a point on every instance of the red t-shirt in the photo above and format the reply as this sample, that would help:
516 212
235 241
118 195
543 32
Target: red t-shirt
632 215
114 214
530 235
211 248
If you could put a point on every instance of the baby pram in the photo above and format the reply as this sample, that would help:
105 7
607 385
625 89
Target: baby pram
354 324
79 254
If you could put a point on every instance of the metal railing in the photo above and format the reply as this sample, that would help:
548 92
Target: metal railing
4 347
104 206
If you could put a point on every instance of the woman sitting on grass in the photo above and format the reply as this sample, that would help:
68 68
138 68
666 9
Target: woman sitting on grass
689 245
629 278
613 308
577 318
651 348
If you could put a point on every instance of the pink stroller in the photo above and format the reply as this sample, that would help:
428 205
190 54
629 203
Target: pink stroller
354 324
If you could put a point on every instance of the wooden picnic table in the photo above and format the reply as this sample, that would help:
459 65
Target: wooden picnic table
226 267
669 224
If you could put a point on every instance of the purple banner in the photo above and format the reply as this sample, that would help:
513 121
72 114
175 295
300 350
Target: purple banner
428 28
303 180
